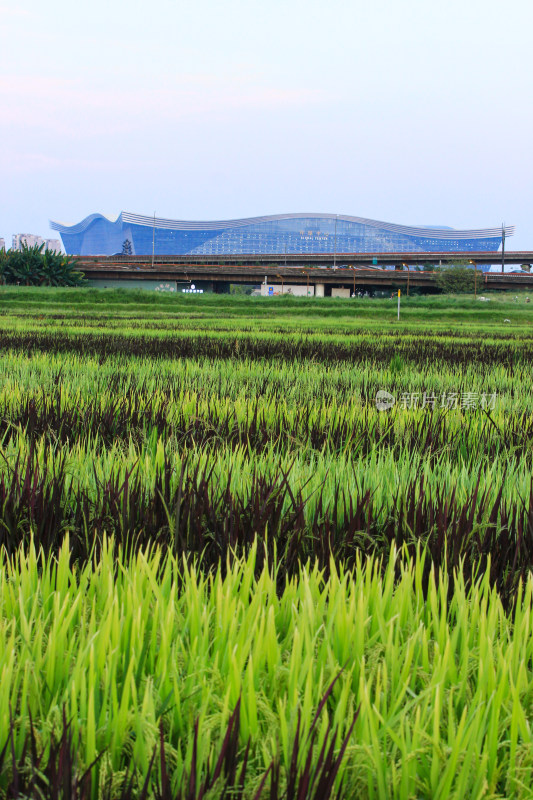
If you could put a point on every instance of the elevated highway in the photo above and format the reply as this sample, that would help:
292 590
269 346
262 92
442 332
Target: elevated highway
349 270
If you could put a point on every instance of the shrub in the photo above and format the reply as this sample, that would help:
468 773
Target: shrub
455 278
35 266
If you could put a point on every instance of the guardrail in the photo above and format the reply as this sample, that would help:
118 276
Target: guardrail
319 259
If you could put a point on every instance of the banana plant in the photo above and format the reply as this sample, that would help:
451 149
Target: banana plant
35 266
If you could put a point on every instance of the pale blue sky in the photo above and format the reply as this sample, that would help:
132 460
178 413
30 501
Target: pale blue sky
409 111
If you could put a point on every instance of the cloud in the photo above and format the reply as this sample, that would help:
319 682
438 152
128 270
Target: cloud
11 12
73 108
60 124
26 162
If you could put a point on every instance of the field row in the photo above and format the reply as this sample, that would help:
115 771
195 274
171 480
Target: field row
216 504
428 684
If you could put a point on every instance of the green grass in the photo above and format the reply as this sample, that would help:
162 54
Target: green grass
443 686
271 530
439 310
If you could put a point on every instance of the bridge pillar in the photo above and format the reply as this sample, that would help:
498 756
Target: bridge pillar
319 290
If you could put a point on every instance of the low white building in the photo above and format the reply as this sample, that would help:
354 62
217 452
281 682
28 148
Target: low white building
54 244
32 239
28 239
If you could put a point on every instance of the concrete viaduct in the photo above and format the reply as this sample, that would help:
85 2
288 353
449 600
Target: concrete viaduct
323 271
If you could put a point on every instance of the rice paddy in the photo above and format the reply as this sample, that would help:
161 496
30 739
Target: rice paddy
225 571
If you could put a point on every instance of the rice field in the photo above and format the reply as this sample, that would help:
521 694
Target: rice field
225 571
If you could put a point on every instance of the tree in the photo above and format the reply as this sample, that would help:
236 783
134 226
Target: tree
241 289
455 278
34 266
126 248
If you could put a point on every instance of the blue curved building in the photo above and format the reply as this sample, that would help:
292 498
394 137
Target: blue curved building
279 233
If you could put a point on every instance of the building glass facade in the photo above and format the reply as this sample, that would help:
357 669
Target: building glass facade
283 233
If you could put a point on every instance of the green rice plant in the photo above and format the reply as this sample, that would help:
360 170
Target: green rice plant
441 675
203 510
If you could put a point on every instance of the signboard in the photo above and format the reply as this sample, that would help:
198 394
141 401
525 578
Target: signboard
271 290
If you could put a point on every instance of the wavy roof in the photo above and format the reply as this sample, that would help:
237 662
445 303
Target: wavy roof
186 225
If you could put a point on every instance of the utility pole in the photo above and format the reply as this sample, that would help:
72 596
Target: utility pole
475 277
408 275
503 248
153 243
335 248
